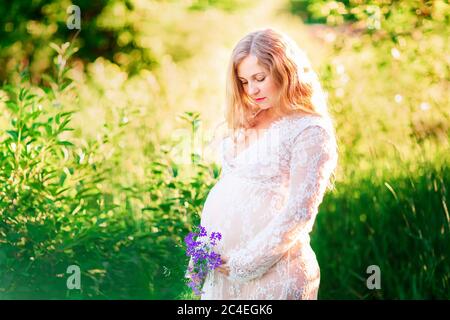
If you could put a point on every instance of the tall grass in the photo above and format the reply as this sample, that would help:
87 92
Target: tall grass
399 223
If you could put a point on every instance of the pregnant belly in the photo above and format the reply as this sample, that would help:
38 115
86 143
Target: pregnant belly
239 208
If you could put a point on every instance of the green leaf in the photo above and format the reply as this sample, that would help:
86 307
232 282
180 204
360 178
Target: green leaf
11 105
13 134
65 143
30 96
48 129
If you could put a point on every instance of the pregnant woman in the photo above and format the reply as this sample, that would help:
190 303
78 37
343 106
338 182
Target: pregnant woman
277 163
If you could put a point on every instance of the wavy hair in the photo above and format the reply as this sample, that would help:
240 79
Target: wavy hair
298 84
299 88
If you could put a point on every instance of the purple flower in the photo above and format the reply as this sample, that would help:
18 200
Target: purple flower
215 236
214 260
203 232
189 240
203 258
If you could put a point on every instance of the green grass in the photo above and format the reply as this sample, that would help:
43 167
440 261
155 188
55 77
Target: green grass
400 224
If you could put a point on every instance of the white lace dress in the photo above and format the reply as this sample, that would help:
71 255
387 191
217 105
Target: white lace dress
265 204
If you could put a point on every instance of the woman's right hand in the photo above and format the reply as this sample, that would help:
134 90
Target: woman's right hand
224 268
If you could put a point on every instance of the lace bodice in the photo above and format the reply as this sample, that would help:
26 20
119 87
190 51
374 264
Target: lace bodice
265 204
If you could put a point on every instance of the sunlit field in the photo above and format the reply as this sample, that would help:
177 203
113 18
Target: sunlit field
108 141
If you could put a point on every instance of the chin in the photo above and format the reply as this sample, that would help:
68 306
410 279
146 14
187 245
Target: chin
265 107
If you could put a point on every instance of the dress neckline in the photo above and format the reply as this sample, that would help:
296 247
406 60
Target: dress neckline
265 131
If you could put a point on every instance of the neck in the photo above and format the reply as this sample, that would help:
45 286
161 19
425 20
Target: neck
264 117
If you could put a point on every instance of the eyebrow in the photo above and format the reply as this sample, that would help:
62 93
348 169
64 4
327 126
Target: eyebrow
252 75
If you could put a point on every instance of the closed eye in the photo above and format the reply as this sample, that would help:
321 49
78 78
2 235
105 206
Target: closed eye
259 80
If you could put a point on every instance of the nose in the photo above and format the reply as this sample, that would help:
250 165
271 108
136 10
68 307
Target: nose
252 89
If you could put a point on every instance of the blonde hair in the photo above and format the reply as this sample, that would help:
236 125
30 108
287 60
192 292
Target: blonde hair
299 87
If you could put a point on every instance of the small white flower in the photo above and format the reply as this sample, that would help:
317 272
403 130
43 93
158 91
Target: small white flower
424 106
340 69
395 53
398 98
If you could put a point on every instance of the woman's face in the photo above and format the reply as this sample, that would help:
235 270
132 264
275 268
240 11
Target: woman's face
257 82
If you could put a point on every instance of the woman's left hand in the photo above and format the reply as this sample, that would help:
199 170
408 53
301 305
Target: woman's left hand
223 268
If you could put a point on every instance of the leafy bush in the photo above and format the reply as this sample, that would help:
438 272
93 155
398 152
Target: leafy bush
56 211
50 198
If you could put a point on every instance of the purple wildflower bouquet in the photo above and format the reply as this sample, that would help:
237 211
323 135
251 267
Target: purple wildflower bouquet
203 258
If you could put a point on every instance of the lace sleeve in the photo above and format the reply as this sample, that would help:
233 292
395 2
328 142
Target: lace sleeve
313 159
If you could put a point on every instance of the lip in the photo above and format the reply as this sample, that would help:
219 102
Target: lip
260 99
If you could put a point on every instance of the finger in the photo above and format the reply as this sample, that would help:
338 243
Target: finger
222 271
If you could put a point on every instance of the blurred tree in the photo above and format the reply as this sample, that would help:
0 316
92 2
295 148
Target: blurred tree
28 28
393 16
133 34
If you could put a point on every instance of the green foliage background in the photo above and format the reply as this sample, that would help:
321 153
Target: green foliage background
105 141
